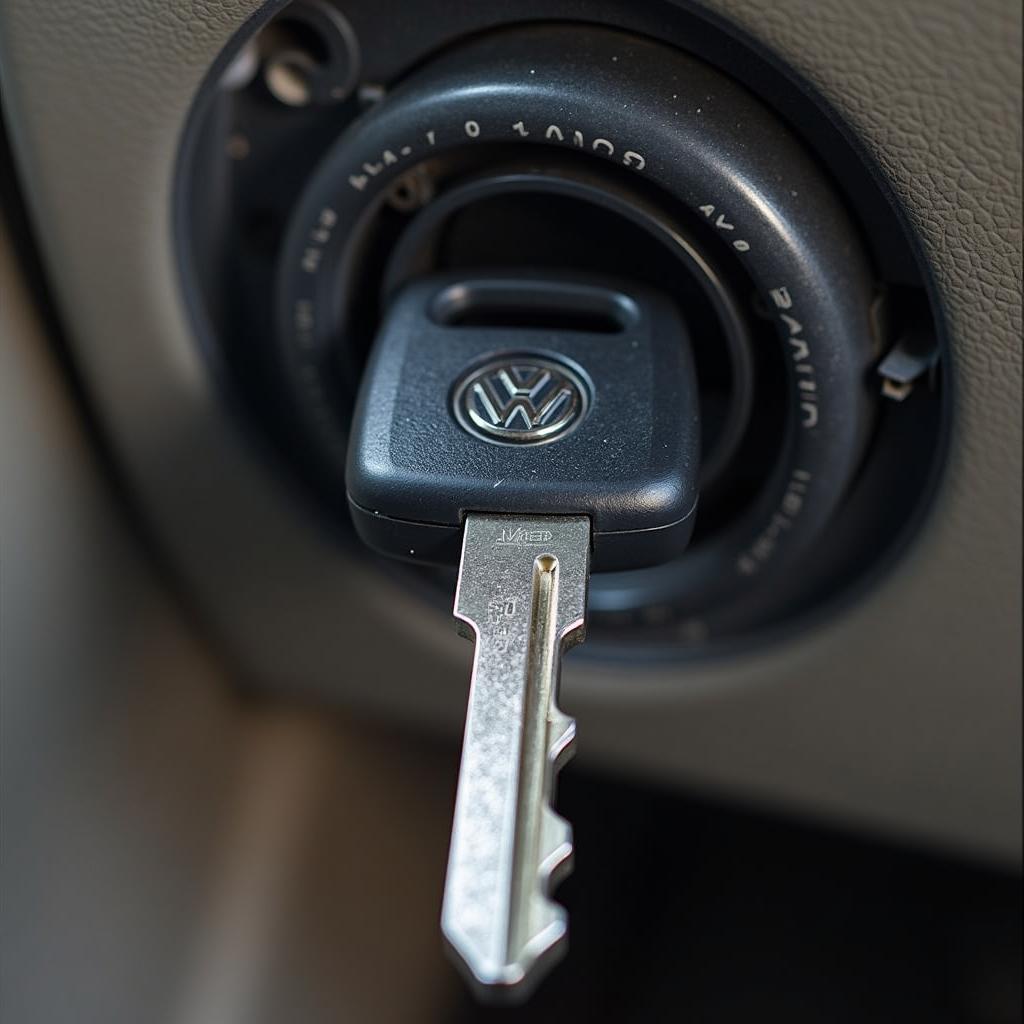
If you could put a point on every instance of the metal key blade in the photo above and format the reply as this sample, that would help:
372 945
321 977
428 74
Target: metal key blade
522 594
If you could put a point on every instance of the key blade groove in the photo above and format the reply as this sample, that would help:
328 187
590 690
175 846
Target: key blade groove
526 917
522 593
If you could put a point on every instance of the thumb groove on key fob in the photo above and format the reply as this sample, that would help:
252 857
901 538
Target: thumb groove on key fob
537 426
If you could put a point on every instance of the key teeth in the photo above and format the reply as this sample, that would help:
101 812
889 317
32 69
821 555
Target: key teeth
555 861
556 847
562 734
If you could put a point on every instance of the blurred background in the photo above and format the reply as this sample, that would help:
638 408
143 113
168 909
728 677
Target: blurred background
827 831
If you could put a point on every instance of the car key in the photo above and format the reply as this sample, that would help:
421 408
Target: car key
525 429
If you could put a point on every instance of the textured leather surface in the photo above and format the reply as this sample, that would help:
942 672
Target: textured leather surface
933 91
904 713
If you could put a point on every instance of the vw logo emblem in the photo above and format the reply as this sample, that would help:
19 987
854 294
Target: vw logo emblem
521 399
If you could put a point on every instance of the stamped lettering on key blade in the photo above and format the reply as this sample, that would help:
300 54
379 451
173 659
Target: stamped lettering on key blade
521 536
521 399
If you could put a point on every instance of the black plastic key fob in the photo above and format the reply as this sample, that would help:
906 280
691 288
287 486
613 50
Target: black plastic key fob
526 395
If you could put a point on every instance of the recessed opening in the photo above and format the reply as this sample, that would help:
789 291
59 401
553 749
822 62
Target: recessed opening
541 305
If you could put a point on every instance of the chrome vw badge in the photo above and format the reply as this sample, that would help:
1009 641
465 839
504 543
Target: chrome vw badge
521 399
